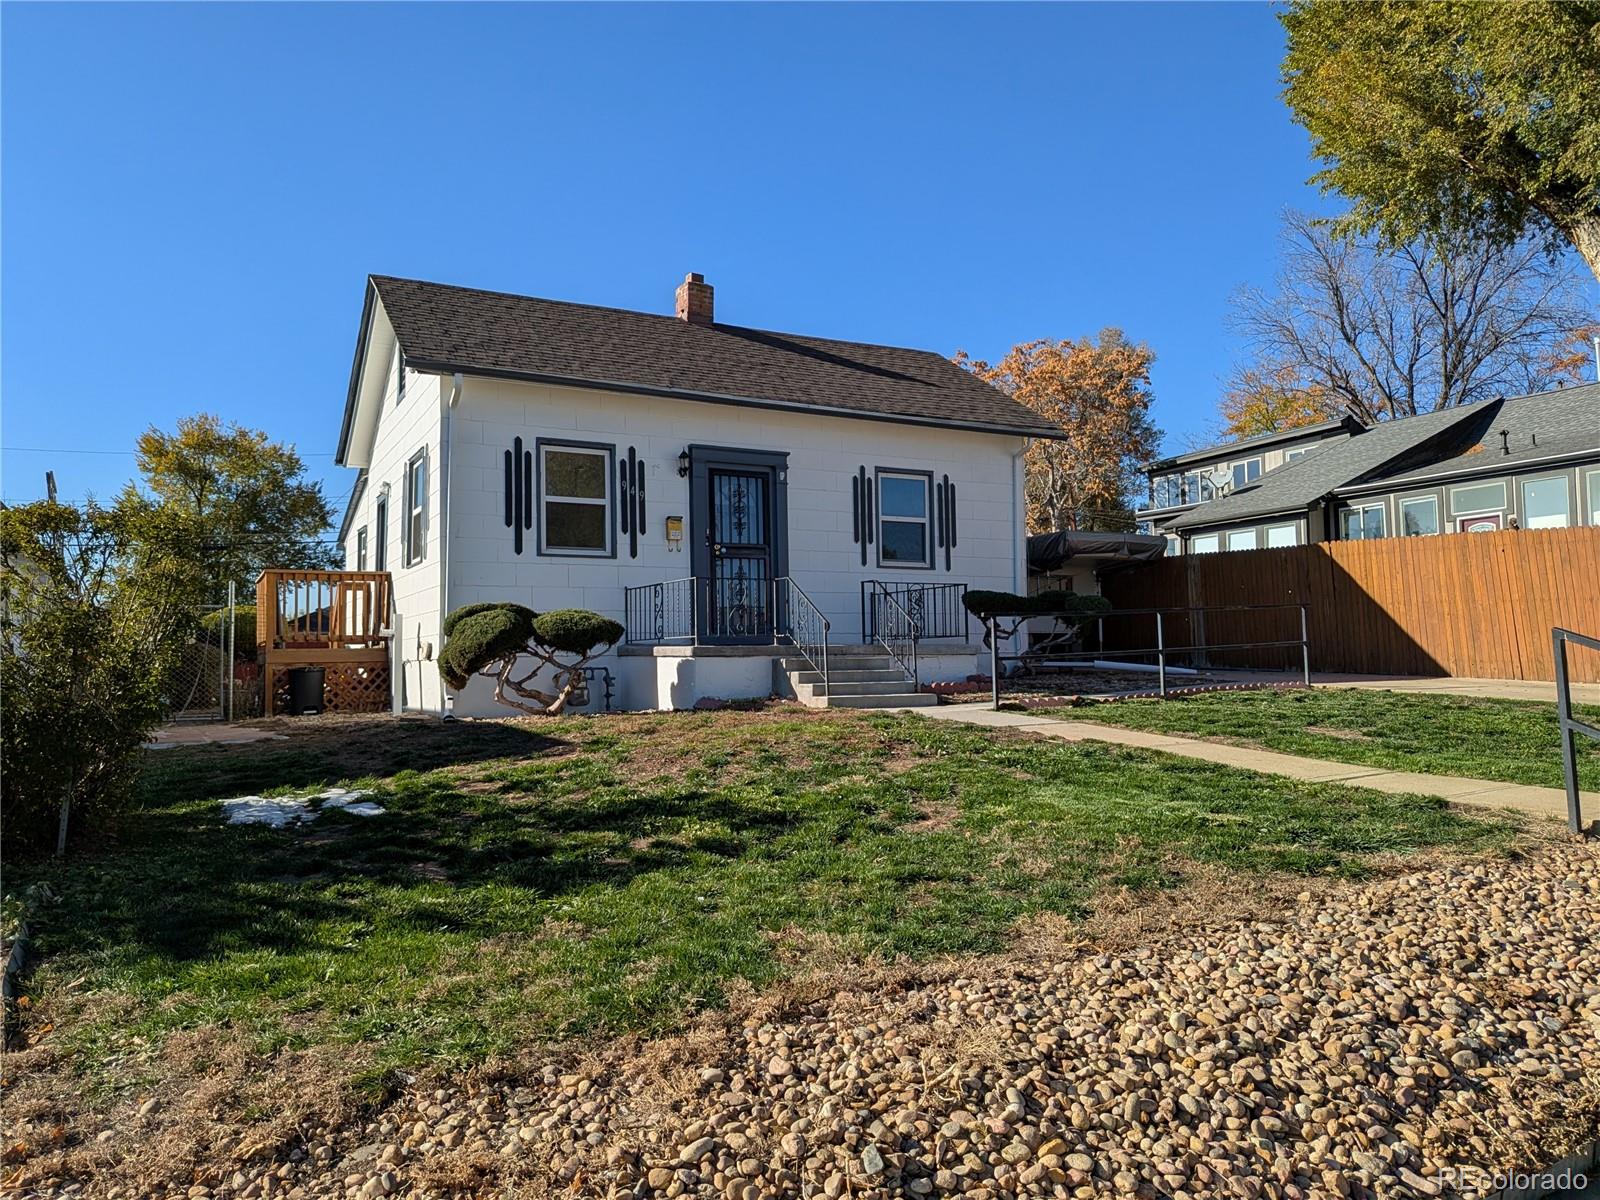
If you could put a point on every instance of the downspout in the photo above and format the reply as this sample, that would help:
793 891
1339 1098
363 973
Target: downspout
1019 557
450 402
1019 553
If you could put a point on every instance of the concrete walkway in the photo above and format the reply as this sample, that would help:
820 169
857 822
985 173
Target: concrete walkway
1486 793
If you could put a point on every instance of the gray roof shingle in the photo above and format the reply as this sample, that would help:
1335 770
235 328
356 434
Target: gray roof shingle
1393 453
443 327
1297 485
1546 424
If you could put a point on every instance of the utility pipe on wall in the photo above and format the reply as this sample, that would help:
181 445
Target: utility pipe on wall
450 401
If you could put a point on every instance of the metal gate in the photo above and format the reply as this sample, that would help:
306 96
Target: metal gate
218 677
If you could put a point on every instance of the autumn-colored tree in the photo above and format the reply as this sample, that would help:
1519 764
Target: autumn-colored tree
243 497
1353 326
1098 391
1454 115
1268 399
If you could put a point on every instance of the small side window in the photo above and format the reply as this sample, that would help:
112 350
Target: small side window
361 548
380 532
416 526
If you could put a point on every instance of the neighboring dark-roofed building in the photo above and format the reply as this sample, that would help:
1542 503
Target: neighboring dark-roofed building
1530 461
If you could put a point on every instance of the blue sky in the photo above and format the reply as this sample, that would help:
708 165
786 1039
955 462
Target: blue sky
193 194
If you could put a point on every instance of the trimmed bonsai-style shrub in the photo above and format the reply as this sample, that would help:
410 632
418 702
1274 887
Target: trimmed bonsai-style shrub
492 639
984 605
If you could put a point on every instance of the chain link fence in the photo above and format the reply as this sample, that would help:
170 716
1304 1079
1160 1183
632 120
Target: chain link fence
218 677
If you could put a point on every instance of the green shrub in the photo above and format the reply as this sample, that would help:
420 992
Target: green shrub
472 610
213 625
984 605
576 631
489 639
480 635
97 611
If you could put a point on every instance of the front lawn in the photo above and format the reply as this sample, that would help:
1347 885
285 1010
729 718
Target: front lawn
592 875
1516 741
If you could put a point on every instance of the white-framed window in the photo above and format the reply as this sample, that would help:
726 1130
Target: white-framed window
1361 521
1282 535
1545 503
903 526
1242 539
1245 472
399 375
361 548
1205 543
1419 516
1478 497
575 498
1174 545
380 531
1594 497
416 526
1298 452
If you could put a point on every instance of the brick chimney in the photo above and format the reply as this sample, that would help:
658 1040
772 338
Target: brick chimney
694 300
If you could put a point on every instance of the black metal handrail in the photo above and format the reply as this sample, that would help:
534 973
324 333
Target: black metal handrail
655 613
1571 727
1162 650
799 619
940 609
894 628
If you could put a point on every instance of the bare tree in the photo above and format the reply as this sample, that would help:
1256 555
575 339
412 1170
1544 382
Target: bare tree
1352 326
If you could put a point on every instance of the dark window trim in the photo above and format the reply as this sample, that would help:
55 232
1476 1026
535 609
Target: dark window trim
411 554
610 524
399 376
878 518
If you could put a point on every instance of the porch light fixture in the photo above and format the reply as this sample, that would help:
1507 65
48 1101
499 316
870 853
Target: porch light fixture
683 463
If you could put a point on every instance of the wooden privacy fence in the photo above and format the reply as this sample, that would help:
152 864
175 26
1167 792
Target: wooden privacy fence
1466 604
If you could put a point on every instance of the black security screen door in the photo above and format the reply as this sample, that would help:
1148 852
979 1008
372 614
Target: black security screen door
738 605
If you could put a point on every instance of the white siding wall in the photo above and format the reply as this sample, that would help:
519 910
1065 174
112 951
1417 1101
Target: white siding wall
405 427
824 453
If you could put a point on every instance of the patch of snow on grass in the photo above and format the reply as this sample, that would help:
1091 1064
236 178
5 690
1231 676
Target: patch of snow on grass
296 810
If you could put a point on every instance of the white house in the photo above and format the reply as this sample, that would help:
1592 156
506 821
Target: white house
745 502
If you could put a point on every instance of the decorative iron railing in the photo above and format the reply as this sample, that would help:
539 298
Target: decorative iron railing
801 622
940 609
893 627
655 613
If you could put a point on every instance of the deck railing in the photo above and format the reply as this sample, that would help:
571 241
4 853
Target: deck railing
939 609
656 613
321 610
893 627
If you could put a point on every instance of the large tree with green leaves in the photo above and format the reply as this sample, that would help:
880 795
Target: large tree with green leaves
1454 115
244 497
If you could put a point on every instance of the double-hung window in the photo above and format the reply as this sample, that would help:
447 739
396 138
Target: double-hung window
904 529
575 498
416 527
361 548
1364 521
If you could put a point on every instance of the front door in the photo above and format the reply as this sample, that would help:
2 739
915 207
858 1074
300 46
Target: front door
737 524
739 596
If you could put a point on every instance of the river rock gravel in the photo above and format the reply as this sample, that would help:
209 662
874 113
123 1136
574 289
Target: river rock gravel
1405 1038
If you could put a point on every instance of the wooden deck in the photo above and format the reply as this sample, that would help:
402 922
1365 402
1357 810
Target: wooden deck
337 620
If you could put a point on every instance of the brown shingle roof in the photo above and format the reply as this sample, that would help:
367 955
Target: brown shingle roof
442 327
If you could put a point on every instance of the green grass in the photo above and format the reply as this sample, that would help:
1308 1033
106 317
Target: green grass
1516 741
588 876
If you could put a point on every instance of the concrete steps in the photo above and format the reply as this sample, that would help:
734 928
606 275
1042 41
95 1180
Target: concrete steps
860 677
